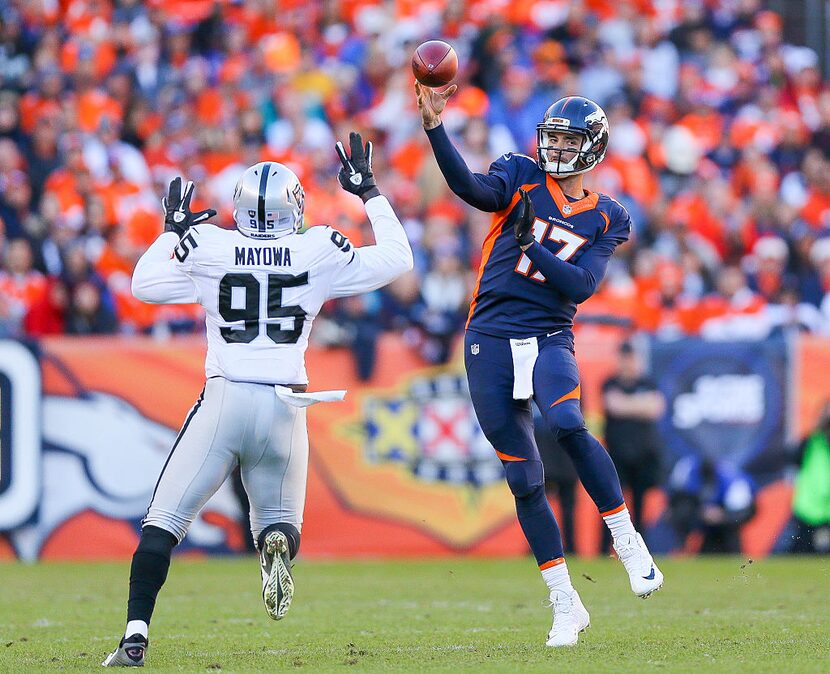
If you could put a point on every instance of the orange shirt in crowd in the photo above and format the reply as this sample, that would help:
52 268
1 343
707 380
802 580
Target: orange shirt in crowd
720 307
638 178
683 316
93 106
609 302
816 210
691 209
102 55
707 127
113 194
22 289
32 107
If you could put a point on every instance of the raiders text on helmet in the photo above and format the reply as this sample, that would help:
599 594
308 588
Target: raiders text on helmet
572 114
268 201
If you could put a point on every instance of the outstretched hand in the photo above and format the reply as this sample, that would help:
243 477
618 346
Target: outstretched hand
177 214
431 103
526 216
355 174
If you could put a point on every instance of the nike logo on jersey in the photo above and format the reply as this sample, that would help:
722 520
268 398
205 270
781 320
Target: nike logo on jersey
651 575
267 255
551 334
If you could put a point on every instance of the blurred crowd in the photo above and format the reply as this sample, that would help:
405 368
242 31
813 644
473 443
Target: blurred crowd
720 150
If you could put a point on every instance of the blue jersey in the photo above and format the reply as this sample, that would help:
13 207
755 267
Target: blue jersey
512 294
536 292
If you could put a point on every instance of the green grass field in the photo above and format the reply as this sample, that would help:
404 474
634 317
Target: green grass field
722 614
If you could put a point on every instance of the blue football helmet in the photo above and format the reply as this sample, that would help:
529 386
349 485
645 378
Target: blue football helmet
572 114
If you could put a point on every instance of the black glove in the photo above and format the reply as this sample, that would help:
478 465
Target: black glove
525 217
177 214
356 175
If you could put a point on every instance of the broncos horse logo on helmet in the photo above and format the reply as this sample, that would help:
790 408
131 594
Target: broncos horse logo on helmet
577 115
268 201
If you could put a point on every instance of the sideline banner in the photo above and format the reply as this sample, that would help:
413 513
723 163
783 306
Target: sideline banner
726 400
399 468
390 472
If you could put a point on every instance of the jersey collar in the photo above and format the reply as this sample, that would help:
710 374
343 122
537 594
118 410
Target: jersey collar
569 208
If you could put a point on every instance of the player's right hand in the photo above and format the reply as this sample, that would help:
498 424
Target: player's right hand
431 103
525 217
177 214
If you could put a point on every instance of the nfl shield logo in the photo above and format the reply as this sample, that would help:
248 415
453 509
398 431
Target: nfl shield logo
566 209
474 349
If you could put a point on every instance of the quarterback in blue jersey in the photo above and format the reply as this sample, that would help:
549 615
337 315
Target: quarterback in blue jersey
547 251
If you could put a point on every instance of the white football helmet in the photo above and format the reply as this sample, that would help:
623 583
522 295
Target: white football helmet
268 201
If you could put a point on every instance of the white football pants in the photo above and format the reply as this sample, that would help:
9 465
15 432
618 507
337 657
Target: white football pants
230 422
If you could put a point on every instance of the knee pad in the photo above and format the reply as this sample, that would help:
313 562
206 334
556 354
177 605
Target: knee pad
565 418
291 533
524 477
156 540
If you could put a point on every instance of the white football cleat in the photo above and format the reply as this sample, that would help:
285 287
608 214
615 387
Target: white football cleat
277 583
569 618
643 573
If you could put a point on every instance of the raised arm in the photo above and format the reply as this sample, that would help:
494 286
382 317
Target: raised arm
371 267
157 279
368 267
485 192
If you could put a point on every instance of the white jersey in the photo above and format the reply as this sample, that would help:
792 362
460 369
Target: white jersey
261 295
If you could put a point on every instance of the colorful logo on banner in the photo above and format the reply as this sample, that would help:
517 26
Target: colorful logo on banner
431 430
724 400
417 454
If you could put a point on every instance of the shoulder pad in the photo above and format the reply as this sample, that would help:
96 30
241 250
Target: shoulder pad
340 240
508 157
207 231
613 203
329 236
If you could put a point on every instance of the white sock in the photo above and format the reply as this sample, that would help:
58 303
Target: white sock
620 523
137 627
556 577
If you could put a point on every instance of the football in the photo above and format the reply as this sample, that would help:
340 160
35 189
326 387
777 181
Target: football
434 63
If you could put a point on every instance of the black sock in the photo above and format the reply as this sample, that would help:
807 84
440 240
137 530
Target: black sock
148 572
291 533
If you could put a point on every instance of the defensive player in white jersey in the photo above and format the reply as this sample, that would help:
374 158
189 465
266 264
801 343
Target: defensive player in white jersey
261 286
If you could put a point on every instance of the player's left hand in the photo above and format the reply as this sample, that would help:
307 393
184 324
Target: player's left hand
356 175
526 216
177 214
